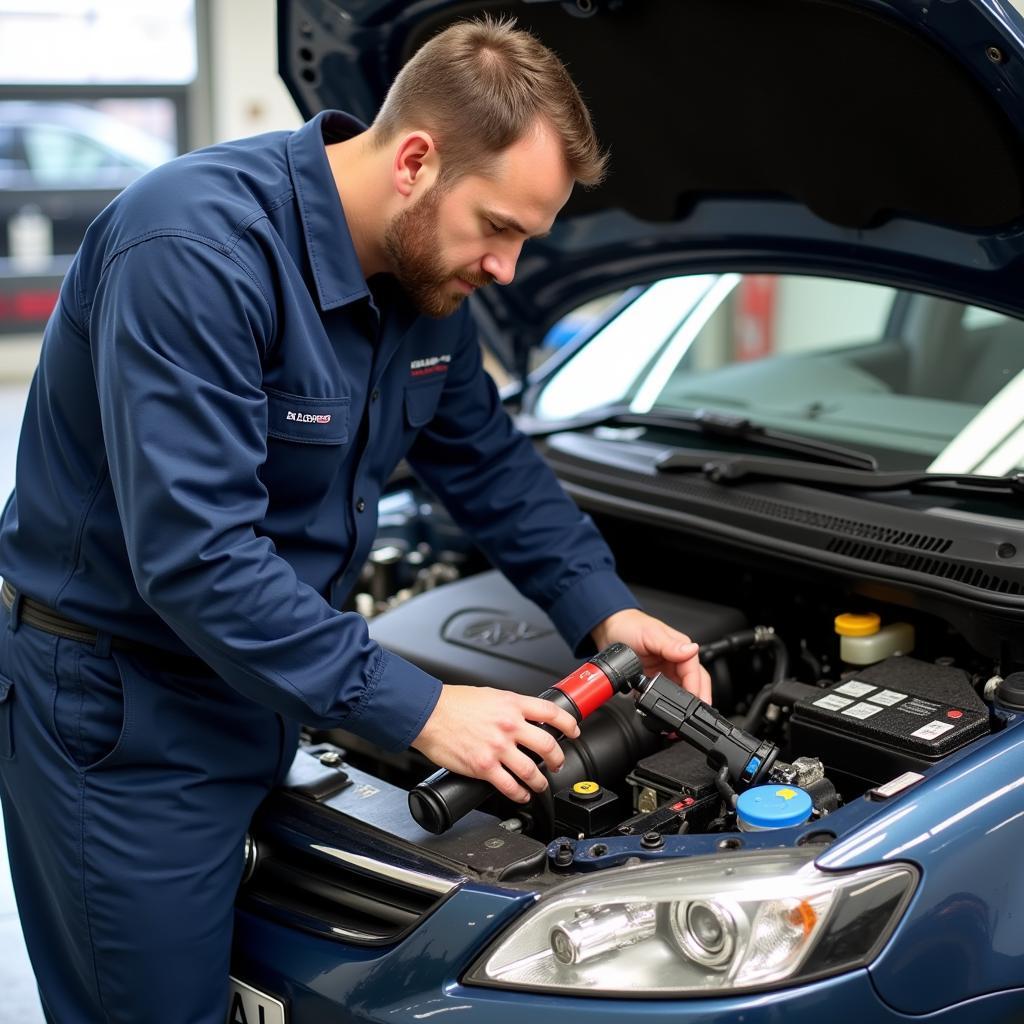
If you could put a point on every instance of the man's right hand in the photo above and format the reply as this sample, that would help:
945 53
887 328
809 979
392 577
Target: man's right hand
477 731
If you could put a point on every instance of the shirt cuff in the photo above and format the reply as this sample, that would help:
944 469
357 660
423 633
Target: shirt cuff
587 603
394 712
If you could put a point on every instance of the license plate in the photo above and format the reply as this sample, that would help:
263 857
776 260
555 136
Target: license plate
247 1005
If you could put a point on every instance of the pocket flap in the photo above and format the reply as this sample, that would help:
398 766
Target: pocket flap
6 688
307 420
421 401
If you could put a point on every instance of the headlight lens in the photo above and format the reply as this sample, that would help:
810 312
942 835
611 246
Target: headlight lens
706 930
741 921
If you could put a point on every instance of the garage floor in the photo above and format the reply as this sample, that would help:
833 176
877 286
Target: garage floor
20 1003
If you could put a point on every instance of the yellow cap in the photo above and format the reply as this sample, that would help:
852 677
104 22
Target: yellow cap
586 788
857 625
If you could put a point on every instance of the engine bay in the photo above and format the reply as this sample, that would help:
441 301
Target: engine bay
839 729
836 692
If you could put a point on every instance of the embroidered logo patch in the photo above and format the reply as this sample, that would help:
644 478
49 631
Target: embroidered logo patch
430 364
307 417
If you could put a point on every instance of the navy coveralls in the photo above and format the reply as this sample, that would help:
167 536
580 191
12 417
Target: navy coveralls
220 396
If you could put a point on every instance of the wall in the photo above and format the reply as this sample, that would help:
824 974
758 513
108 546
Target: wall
248 97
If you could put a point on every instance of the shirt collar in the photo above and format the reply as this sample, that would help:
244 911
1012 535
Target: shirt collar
339 278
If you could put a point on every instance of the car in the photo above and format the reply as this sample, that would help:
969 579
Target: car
60 164
65 162
793 404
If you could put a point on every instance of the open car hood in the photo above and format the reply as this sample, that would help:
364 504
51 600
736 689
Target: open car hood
876 139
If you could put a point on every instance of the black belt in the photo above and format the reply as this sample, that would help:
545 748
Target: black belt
34 613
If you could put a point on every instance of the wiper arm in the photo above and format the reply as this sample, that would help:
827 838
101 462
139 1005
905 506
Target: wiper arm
732 469
711 424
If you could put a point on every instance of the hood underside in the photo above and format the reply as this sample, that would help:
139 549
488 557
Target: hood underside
879 138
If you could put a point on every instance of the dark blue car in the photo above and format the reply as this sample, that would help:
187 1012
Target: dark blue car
792 396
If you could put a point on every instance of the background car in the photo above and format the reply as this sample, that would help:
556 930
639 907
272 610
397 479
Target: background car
797 420
60 164
63 162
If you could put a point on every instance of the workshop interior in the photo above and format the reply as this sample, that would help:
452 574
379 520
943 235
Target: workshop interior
778 358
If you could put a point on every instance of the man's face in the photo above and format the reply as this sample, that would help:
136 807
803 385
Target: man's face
412 241
455 239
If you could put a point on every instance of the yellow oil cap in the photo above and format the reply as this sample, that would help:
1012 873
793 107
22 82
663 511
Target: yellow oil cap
586 790
849 624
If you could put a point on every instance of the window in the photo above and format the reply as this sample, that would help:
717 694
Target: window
898 373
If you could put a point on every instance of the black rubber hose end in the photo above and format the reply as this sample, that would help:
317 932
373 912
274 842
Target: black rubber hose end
428 811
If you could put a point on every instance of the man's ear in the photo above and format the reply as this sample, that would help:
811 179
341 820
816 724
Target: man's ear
416 164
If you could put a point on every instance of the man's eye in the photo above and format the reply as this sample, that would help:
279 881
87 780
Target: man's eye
496 229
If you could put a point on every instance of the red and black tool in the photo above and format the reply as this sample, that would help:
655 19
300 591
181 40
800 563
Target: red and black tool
445 797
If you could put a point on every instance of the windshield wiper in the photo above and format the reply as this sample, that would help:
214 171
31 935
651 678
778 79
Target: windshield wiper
710 424
732 469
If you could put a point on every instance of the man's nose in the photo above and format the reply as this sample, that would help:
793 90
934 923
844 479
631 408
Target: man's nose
501 264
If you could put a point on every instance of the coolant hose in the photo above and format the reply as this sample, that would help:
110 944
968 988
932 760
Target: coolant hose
759 636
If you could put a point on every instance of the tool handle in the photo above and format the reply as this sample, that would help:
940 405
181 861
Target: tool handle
747 758
442 799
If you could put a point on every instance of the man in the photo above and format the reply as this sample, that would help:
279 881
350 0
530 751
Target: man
249 340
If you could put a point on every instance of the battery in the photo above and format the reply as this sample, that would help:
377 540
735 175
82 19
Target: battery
678 770
899 715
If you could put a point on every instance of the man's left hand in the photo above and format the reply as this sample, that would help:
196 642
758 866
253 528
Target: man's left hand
659 647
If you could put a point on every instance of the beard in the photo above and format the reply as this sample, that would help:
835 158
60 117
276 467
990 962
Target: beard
413 246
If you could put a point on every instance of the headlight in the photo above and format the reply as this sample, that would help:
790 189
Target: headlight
740 921
706 930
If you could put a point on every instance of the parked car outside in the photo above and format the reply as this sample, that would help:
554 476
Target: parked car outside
60 164
799 425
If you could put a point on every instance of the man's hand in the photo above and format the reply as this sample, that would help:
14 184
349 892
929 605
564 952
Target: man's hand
659 647
477 731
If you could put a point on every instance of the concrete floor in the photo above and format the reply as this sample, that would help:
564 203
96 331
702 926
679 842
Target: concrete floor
20 1003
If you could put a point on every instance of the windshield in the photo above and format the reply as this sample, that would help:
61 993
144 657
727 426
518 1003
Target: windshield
918 381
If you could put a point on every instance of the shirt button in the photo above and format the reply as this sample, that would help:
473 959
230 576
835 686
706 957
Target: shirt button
360 505
374 394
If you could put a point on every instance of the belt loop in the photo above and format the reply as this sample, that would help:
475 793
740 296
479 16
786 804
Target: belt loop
15 612
102 646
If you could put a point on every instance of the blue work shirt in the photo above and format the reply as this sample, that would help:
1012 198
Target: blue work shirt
221 396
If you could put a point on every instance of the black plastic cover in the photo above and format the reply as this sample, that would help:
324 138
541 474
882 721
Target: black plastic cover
482 631
678 769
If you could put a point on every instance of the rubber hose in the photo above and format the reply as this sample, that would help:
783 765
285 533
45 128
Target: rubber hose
764 695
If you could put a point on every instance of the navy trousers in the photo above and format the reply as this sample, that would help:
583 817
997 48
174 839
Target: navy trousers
127 786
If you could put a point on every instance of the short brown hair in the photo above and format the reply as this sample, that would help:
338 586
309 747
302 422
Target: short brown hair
478 87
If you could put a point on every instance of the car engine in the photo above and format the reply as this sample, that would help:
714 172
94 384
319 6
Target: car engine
840 727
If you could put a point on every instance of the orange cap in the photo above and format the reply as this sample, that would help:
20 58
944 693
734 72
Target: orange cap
849 624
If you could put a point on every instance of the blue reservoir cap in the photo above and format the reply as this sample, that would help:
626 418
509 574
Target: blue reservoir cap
774 806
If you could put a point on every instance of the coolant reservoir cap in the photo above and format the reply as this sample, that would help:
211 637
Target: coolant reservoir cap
773 806
849 624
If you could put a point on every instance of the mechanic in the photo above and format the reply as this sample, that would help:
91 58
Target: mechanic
249 340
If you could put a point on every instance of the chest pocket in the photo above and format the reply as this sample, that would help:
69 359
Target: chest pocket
421 398
307 443
307 420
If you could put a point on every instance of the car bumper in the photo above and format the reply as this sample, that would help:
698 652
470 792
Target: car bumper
322 982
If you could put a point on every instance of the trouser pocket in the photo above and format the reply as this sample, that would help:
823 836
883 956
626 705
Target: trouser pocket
89 704
6 725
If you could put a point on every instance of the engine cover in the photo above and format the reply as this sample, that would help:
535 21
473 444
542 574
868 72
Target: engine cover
481 630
